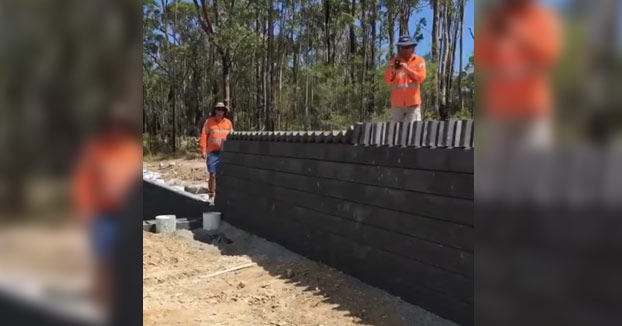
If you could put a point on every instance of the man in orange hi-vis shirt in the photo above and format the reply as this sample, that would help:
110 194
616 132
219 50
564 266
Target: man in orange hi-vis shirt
516 48
404 76
106 172
215 131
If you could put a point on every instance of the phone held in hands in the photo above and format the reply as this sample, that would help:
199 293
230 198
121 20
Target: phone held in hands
397 65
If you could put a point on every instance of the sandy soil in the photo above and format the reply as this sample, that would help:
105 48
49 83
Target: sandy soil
280 288
180 171
54 256
48 267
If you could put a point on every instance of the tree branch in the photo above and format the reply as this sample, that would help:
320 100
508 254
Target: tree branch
201 20
248 4
203 17
206 24
471 31
157 62
232 6
216 13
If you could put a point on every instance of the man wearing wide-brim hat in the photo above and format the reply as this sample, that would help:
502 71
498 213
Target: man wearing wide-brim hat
404 76
214 133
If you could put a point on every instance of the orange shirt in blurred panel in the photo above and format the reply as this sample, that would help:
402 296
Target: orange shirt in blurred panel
105 173
515 51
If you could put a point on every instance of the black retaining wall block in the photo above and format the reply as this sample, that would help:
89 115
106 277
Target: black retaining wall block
160 199
450 184
430 229
434 206
448 160
392 207
432 134
431 254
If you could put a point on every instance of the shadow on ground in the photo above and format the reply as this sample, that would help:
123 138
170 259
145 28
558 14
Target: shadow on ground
365 304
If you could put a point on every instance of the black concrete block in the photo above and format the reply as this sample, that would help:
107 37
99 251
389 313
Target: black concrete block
367 134
433 182
432 134
457 160
457 134
377 133
467 134
161 200
392 133
417 134
404 133
440 142
425 135
443 232
428 255
449 136
444 208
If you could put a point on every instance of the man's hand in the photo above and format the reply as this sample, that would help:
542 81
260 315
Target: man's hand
408 70
204 155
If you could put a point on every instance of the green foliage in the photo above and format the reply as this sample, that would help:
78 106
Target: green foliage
183 72
419 29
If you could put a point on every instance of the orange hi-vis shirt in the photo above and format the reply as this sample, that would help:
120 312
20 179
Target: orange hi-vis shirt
104 174
515 51
214 133
405 88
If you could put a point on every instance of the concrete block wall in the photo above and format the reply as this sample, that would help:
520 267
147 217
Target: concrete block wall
160 199
391 210
432 134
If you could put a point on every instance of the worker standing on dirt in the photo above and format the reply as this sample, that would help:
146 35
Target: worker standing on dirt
404 76
106 172
215 131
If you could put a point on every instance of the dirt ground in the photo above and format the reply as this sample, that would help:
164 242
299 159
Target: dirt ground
181 171
280 288
48 267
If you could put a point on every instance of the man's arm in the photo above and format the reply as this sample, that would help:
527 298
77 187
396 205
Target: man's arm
82 181
544 48
389 74
203 140
416 72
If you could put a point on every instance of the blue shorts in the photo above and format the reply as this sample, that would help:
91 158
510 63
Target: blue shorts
105 233
212 161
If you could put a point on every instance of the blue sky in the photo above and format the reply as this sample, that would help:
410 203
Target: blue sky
425 45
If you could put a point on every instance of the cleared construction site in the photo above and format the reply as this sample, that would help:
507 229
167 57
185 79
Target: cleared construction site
368 226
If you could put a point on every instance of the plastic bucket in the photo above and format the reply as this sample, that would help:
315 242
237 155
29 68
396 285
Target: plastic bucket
166 224
211 220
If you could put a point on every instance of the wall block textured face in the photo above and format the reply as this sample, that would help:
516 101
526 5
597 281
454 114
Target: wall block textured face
432 134
389 203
